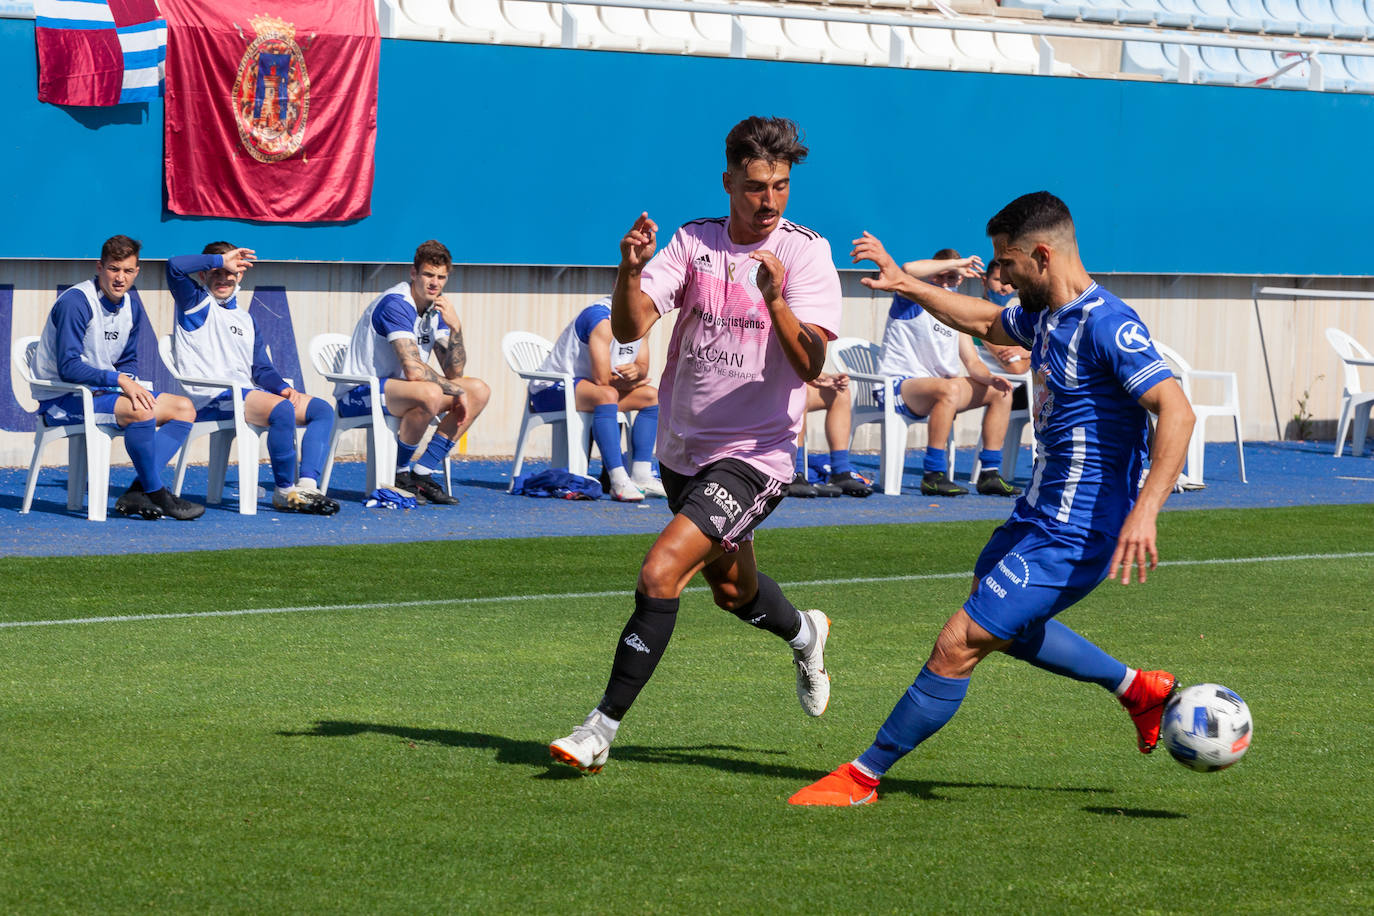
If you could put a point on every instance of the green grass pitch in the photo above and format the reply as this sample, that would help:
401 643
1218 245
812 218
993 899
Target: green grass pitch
386 750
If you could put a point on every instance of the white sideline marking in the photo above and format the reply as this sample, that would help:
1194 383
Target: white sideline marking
617 593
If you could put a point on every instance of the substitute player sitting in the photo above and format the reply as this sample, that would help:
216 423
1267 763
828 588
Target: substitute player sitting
757 298
937 374
91 338
1098 379
393 340
608 377
216 338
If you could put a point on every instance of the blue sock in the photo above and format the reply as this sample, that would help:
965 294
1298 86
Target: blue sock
644 433
937 460
169 437
281 446
140 442
927 705
839 462
319 425
1060 650
433 458
404 453
800 463
606 432
990 459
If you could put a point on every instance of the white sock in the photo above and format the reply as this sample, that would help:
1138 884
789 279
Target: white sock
1126 682
642 470
307 483
864 770
805 635
283 491
605 723
618 475
420 470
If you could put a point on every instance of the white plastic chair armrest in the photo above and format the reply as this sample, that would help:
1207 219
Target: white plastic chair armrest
537 374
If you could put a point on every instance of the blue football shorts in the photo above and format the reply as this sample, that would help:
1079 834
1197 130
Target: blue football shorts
66 410
899 405
1032 568
357 402
222 407
550 399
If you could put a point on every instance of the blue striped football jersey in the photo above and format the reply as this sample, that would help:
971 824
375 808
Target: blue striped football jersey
1092 360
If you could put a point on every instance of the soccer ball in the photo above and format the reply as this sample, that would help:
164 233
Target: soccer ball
1206 727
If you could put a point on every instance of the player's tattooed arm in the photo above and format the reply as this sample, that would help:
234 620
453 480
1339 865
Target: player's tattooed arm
416 370
454 356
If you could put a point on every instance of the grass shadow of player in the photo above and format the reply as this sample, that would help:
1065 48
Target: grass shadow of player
1149 813
729 758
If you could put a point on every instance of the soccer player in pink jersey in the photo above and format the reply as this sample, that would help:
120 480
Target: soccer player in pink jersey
757 297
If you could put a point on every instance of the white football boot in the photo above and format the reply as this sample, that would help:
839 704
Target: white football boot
651 486
587 748
813 681
625 491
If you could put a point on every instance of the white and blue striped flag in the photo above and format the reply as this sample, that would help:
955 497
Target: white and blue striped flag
99 52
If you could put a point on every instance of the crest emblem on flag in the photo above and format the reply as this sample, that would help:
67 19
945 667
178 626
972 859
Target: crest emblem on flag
272 92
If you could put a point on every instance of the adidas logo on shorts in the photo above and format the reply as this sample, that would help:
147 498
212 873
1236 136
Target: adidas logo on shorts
719 522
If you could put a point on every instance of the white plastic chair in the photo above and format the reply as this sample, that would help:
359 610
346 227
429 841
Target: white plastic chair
1355 401
328 354
858 358
234 433
572 429
88 443
1229 407
1017 421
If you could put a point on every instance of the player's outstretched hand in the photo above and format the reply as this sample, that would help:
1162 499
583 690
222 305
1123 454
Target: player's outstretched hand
868 248
770 277
973 269
638 245
1135 547
240 259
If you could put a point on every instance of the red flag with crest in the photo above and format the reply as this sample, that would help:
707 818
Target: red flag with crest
271 110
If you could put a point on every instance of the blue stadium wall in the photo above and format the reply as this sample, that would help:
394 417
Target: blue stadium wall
531 156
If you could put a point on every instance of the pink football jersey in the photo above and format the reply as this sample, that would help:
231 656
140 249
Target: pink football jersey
727 389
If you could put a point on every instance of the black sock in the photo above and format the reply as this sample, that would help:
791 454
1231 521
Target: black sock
637 652
770 610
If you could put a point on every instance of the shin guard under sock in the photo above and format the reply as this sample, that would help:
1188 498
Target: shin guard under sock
770 610
927 705
1057 649
641 644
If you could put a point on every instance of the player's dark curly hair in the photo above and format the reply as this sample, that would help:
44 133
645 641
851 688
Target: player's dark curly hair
432 252
766 139
1038 211
119 247
218 248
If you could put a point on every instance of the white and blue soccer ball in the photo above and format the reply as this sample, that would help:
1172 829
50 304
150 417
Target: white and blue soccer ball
1206 727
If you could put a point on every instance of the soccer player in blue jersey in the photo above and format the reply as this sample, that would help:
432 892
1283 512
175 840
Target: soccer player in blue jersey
91 338
393 340
215 338
1085 516
609 376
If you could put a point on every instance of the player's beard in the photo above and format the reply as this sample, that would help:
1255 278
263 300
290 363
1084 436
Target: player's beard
1033 300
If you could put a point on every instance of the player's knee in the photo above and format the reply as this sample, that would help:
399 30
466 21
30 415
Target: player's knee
478 394
729 597
602 394
283 415
177 407
659 577
947 392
